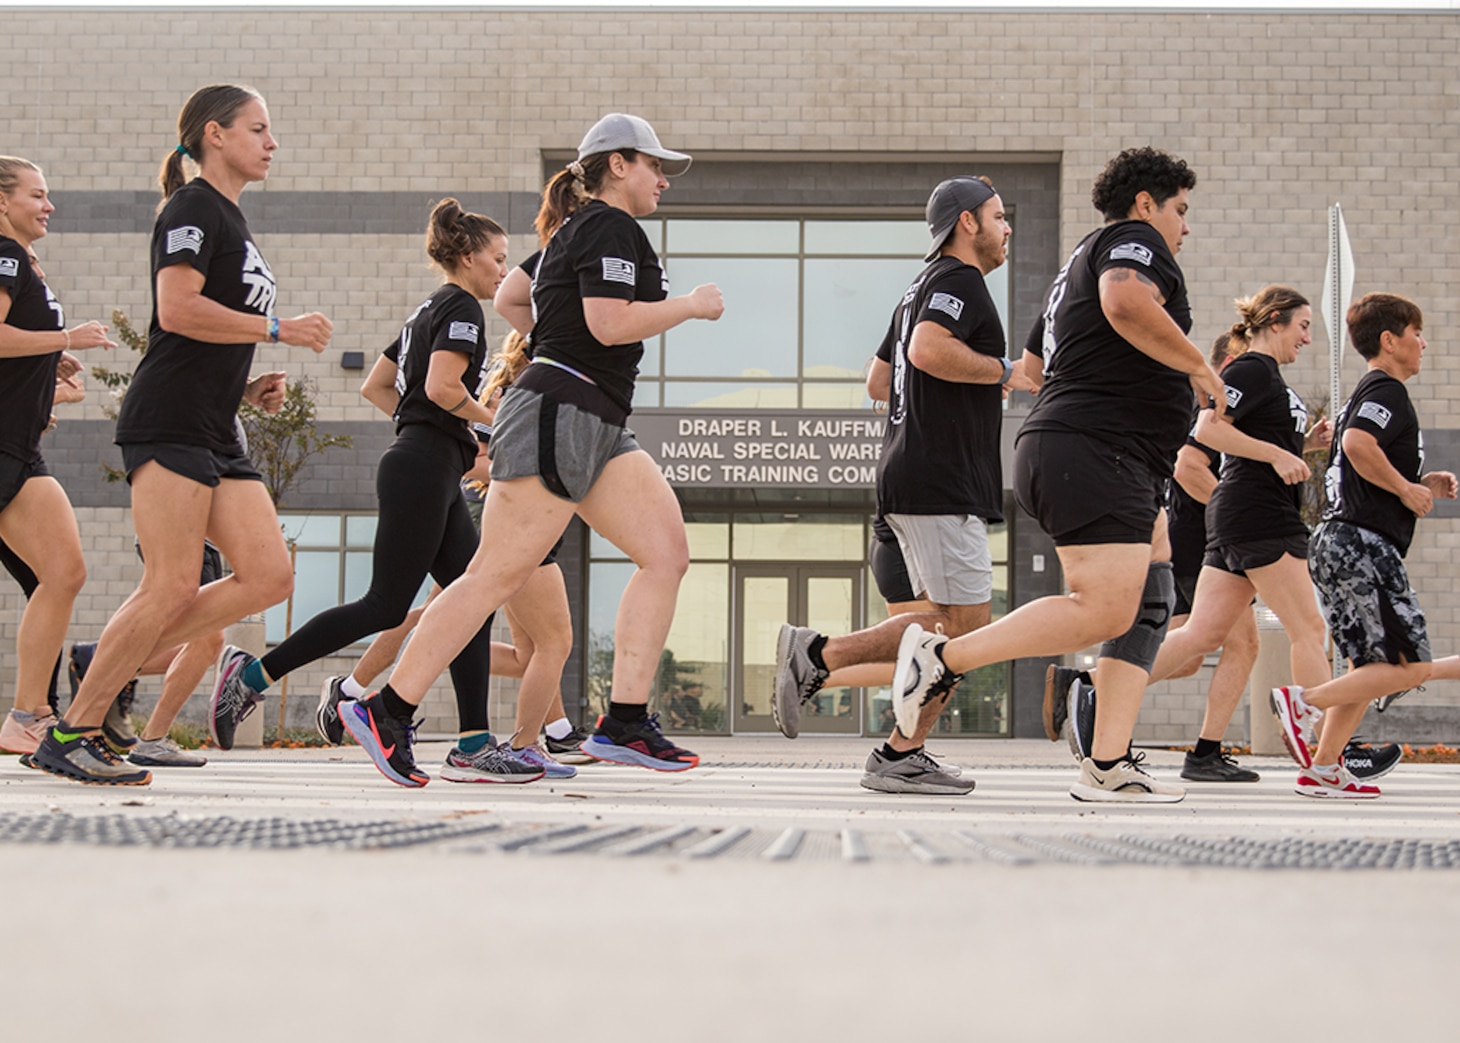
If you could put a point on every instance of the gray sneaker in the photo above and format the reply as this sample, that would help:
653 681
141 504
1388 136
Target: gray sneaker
233 700
492 763
85 757
1127 782
164 753
917 773
797 677
117 728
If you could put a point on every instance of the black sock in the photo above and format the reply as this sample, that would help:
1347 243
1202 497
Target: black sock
897 755
813 652
1106 765
628 713
396 706
1205 747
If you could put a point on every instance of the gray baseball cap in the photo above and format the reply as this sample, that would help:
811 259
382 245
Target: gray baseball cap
947 204
619 130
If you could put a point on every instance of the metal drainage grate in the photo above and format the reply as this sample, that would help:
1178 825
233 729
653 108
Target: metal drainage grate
262 833
745 843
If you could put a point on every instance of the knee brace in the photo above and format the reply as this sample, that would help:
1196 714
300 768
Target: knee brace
1139 645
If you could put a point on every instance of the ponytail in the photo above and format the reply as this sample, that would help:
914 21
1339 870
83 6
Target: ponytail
219 104
452 234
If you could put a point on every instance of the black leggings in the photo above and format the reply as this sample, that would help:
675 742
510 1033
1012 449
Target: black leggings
28 582
424 529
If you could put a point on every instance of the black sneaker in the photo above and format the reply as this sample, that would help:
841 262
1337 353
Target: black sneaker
1216 766
386 739
82 652
1081 713
1368 761
85 757
117 727
569 749
327 714
233 700
1385 701
641 744
1057 681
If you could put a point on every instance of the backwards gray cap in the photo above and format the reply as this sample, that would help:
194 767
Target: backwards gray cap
619 130
947 204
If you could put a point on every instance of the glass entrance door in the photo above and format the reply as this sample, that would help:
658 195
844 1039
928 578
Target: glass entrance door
827 597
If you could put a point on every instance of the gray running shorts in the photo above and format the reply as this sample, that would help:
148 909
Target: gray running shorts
1369 606
567 448
947 556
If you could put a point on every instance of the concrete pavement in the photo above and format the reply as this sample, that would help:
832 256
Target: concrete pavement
761 896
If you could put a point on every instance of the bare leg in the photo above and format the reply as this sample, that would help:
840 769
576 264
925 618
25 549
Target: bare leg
40 528
540 611
633 507
1286 589
1221 599
184 674
386 646
1355 689
1229 679
525 521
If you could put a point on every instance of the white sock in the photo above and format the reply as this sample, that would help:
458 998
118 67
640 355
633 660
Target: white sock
352 689
558 729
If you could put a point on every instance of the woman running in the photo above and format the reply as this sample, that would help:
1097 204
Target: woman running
1257 542
427 380
560 447
37 525
213 300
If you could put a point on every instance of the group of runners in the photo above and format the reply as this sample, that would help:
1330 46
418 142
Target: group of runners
494 456
1124 402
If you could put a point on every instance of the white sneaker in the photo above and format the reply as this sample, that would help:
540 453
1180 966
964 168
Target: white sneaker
1127 783
921 676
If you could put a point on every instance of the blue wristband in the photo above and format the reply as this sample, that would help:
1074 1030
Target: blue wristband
273 329
1008 371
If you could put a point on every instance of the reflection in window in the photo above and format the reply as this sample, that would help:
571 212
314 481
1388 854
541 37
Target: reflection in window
848 303
756 339
803 537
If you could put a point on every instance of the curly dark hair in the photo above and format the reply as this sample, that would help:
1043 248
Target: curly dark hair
1139 170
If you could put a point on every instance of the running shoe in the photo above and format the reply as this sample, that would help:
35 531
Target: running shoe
797 677
117 728
538 757
233 700
921 676
1057 681
23 732
85 757
1216 766
387 740
327 714
1368 761
915 773
1385 701
1127 782
640 744
1294 717
82 653
164 753
491 763
1334 783
568 749
1080 718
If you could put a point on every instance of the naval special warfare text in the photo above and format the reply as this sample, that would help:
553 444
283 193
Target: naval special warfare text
775 451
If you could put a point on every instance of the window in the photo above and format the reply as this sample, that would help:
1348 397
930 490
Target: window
807 303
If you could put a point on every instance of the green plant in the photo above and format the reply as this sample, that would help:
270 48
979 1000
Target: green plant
281 443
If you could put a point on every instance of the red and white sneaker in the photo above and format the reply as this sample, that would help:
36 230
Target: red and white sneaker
1335 783
1294 718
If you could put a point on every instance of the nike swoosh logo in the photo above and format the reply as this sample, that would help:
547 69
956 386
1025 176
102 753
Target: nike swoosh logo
387 750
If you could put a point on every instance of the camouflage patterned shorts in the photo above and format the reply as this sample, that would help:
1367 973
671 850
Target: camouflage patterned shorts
1371 610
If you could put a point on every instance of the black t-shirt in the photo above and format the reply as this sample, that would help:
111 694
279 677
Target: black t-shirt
1251 501
1095 382
449 320
600 251
1380 405
941 451
27 383
1186 519
186 390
